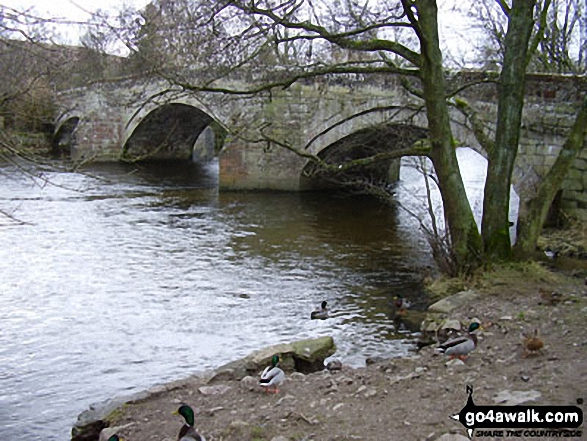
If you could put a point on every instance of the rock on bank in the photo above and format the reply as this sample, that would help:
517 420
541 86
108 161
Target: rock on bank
303 355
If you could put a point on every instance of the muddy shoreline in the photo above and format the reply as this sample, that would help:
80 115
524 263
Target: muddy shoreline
408 398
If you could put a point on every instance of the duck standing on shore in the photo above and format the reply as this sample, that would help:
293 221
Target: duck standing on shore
272 376
321 313
532 344
461 347
187 431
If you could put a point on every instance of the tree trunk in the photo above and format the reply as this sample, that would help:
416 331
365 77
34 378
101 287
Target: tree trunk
534 211
495 223
464 235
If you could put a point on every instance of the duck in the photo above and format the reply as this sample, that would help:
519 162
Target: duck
461 347
449 329
401 304
272 376
321 313
550 298
115 438
532 344
188 431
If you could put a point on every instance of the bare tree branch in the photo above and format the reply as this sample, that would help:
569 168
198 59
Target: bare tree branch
372 45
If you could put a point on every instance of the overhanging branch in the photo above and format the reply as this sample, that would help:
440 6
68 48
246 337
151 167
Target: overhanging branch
284 84
477 124
341 40
357 115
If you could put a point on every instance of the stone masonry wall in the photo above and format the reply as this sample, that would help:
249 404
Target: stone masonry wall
300 116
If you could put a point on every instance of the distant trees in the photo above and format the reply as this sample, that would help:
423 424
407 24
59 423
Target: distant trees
25 88
34 67
559 42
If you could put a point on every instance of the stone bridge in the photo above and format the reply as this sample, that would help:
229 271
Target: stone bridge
350 117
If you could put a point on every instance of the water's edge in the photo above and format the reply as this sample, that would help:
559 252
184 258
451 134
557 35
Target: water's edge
309 353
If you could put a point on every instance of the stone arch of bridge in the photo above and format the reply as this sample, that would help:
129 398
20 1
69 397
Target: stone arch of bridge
329 132
362 143
63 139
167 131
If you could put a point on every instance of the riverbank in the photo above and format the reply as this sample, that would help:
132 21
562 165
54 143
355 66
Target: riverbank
409 398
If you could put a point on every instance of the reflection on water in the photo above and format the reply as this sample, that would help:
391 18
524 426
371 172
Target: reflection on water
127 276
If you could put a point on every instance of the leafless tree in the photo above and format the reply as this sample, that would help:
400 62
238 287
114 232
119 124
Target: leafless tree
559 37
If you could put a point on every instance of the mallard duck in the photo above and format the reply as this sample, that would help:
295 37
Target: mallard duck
272 376
187 431
401 304
551 254
461 346
321 313
115 438
449 329
532 344
550 298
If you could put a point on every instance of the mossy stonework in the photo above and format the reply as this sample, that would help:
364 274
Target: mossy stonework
119 120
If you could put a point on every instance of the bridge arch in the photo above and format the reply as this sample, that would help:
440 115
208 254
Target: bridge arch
328 133
360 144
64 136
167 132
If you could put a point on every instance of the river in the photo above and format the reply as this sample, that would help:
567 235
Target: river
123 277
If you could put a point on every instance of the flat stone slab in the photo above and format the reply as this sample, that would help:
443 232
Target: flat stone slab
515 397
304 356
449 304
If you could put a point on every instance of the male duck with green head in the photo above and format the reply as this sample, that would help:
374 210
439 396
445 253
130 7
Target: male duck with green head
188 431
461 346
272 376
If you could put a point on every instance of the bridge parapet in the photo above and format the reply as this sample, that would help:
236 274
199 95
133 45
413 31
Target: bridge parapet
125 120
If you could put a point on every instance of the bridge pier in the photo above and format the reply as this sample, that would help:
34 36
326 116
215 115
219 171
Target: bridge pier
203 150
119 120
255 166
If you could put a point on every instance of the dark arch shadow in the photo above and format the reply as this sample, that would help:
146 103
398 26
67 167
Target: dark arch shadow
358 145
64 138
167 133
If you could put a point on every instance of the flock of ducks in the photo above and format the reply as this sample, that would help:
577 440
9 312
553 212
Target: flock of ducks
272 376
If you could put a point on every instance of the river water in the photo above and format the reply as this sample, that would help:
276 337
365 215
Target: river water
123 277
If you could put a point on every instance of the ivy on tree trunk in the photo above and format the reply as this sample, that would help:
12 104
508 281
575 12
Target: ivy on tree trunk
533 212
464 235
495 223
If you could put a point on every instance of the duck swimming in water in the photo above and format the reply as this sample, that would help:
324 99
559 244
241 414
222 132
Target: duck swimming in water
401 304
321 313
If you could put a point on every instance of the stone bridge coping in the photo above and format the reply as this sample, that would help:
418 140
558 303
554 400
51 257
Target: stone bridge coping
314 112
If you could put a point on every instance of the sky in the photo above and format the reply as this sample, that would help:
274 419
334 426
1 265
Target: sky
70 9
453 28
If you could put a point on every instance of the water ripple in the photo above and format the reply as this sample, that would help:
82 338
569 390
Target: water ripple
146 276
